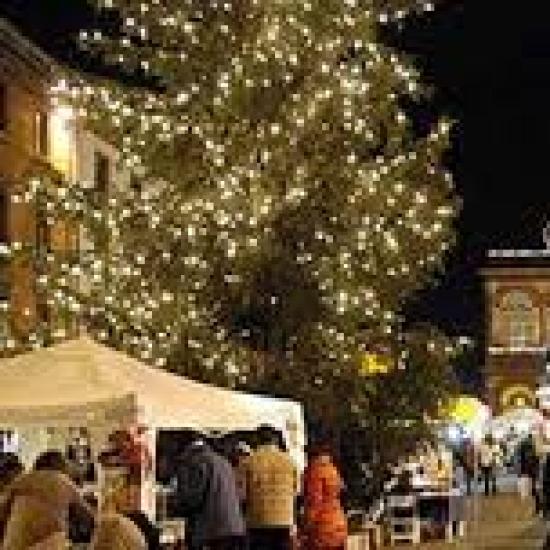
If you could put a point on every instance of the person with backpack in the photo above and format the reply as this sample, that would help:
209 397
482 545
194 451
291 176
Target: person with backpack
208 498
529 464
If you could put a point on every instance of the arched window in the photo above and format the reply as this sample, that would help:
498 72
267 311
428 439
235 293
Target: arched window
518 320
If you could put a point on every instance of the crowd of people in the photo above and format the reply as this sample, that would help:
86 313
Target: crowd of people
482 462
253 499
521 457
257 501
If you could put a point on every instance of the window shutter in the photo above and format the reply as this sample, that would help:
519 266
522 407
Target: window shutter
3 107
101 172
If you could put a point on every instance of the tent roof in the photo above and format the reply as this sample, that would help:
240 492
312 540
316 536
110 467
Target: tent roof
78 374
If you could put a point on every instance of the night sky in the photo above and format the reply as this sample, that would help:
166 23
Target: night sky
490 69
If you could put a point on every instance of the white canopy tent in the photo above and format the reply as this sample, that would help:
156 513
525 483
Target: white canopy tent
83 383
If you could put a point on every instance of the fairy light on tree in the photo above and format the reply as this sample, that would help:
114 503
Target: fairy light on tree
285 207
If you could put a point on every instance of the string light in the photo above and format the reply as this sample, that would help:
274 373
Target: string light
254 126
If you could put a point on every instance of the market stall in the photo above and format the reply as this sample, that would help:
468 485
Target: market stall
80 383
519 421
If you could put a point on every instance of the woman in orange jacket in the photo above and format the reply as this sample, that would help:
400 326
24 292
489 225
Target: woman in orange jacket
325 525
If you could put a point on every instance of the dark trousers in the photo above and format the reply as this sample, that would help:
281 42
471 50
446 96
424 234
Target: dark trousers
276 538
469 474
225 543
489 480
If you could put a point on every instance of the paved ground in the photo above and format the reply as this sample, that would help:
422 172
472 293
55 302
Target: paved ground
502 522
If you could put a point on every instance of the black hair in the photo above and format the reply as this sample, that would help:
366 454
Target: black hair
267 435
319 448
10 467
51 460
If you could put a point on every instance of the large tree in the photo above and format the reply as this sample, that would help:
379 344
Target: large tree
285 209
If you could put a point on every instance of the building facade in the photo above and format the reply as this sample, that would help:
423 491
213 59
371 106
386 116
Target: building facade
37 136
25 75
517 294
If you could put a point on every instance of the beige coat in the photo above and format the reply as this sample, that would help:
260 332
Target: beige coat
271 482
58 541
36 511
115 532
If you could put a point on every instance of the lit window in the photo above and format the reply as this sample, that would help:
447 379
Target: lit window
61 139
519 320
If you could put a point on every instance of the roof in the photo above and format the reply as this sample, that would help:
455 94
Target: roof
81 379
13 42
520 258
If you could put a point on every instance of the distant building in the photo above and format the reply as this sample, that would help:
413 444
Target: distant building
517 292
25 147
37 137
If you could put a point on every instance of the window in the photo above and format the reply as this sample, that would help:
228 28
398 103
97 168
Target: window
547 335
4 217
135 183
42 237
3 107
41 133
101 172
4 238
519 320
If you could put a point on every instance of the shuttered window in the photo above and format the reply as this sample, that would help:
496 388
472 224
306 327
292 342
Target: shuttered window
41 133
101 172
3 106
4 214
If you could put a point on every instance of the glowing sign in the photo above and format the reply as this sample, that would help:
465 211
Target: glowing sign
374 363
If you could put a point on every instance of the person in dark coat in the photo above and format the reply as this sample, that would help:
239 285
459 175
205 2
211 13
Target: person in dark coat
529 463
468 459
207 497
